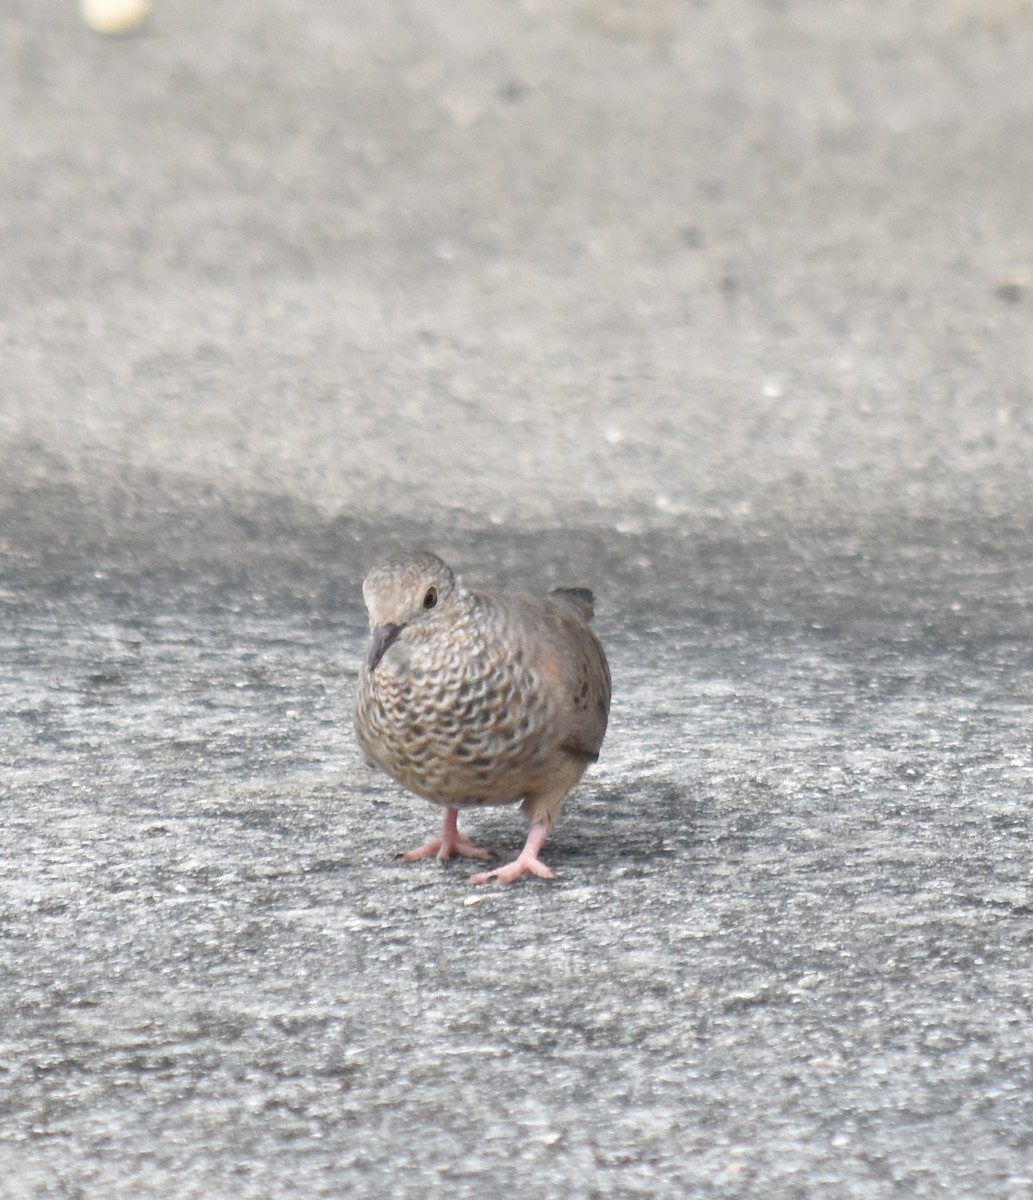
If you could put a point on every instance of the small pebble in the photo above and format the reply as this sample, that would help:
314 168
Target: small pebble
114 17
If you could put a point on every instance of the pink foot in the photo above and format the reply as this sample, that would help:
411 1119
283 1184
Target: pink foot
527 861
449 844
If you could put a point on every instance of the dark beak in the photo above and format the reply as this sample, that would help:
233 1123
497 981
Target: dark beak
383 636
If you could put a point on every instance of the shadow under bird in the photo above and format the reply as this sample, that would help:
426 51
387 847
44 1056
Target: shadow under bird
471 698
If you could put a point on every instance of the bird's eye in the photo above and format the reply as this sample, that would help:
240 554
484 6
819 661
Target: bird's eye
431 598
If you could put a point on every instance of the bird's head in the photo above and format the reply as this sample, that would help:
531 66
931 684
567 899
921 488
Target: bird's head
408 590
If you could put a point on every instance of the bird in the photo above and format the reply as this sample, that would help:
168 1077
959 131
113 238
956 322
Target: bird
471 698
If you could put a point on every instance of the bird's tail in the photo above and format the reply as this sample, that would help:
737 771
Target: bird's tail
580 598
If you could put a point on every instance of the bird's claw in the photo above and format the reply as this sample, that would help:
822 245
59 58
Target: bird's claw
525 864
445 848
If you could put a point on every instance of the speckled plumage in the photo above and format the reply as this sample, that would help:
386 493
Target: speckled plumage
470 698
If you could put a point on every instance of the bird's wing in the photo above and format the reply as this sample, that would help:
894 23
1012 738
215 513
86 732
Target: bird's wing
583 677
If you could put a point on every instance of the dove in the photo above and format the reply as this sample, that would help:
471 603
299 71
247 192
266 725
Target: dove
474 698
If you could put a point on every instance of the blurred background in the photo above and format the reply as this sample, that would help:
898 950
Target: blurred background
564 262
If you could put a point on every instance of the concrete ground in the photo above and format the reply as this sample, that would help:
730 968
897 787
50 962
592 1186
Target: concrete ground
722 309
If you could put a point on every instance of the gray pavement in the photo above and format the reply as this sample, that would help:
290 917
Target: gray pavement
721 309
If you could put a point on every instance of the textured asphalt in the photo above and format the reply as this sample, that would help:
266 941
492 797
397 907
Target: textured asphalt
722 310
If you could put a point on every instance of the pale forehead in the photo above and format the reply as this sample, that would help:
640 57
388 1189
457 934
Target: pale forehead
406 572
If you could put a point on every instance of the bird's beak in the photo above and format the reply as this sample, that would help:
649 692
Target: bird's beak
383 636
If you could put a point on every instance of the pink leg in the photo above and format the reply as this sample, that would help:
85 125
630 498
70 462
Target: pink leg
451 842
526 863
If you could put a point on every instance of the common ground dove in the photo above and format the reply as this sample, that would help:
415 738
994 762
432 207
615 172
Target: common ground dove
470 698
